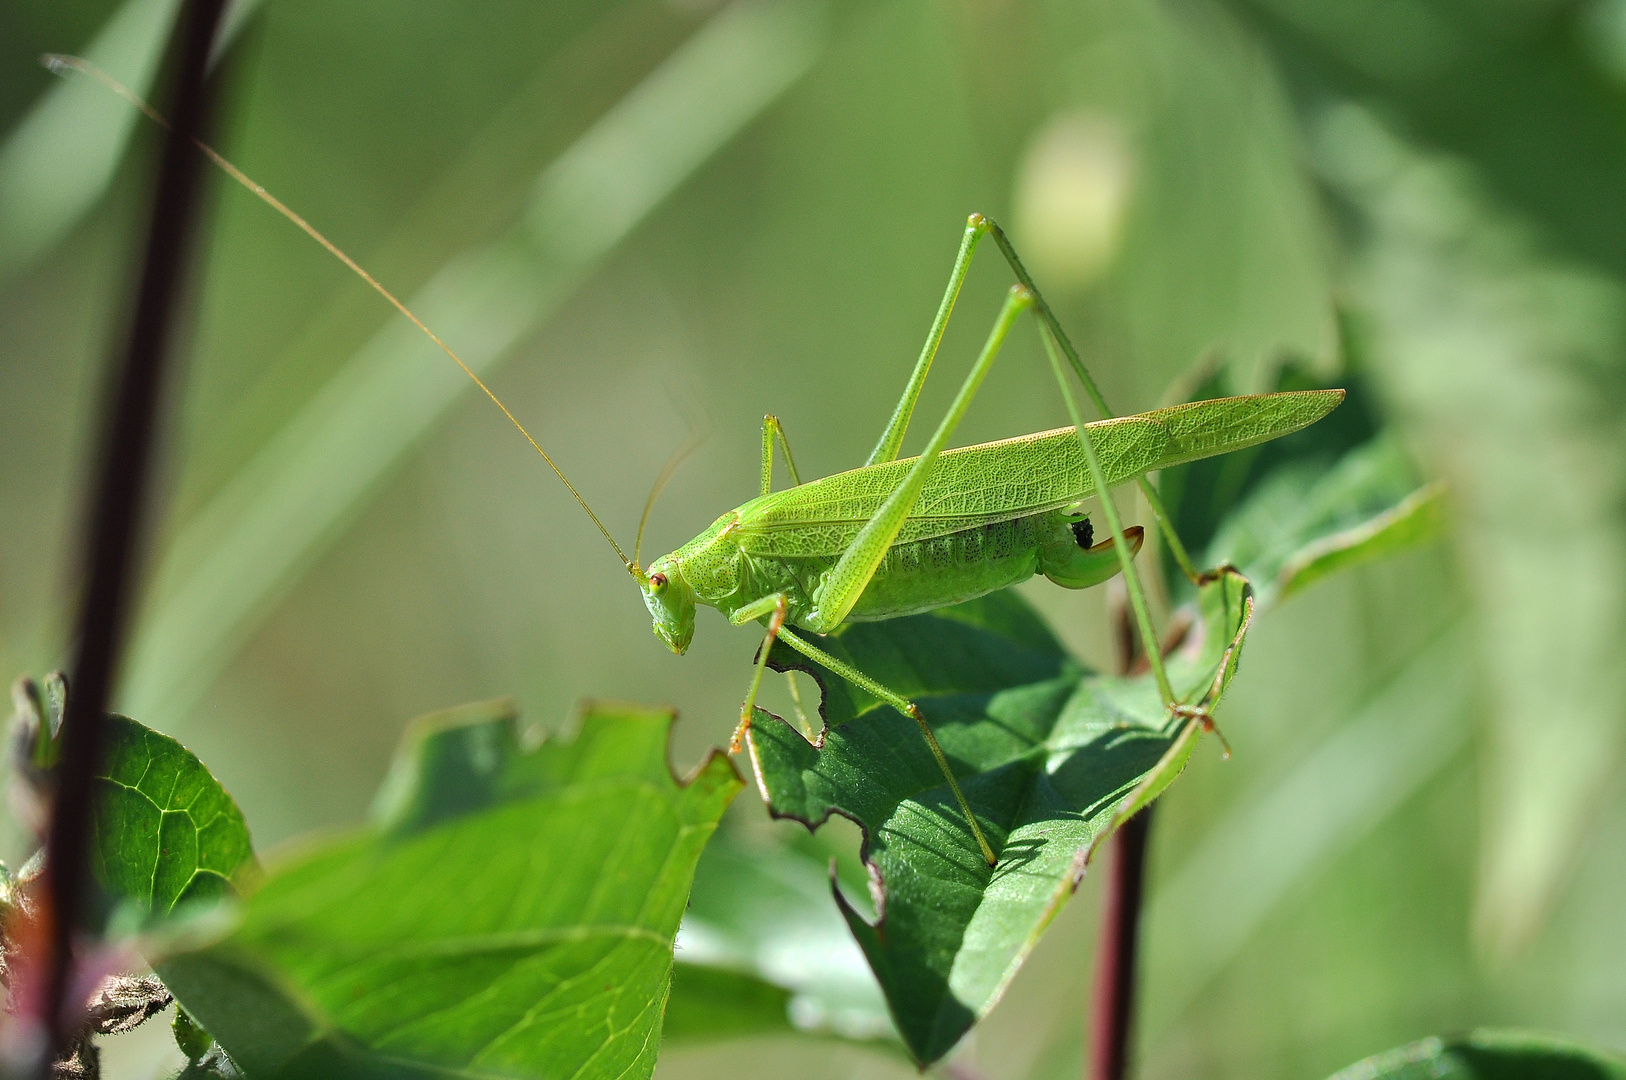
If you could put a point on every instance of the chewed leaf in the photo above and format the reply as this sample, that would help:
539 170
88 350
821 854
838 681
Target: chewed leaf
1048 754
167 833
511 912
1490 1055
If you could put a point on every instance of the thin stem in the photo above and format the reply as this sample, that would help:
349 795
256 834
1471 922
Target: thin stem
1112 1008
113 524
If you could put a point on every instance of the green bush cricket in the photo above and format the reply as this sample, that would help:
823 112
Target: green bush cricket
896 537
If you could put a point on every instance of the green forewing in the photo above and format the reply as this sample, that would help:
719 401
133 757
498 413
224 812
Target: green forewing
1030 474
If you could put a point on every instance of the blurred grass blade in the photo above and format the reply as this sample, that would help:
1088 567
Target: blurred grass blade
58 160
60 157
1203 916
1503 360
236 558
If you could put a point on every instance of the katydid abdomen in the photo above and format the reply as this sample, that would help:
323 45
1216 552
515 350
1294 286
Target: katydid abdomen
923 575
914 576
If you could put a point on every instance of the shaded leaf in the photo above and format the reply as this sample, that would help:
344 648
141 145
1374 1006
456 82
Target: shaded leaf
1048 754
167 833
1415 519
711 1003
511 912
1305 520
1296 509
760 913
1490 1055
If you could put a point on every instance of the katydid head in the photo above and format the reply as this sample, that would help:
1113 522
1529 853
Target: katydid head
670 602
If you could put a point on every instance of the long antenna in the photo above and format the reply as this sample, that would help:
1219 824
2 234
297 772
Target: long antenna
690 445
60 64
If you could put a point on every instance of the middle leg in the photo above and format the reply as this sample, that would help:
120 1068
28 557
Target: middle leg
907 708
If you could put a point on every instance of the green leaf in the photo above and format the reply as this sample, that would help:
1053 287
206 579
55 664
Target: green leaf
1294 510
1305 520
1413 520
167 833
511 911
760 915
190 1039
1049 755
1490 1055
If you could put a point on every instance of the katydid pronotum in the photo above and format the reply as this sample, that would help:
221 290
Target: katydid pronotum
895 537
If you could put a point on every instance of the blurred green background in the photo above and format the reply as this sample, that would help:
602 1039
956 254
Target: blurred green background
656 218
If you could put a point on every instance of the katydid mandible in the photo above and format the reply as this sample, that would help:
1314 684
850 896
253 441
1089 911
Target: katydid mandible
896 537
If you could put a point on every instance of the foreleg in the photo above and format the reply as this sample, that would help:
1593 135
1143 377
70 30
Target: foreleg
774 607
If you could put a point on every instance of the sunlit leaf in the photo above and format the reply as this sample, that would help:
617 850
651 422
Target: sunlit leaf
511 911
1048 754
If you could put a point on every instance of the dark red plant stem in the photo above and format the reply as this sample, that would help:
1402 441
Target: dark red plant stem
1112 1008
113 521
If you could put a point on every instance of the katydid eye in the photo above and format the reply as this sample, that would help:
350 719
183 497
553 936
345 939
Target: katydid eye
657 582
